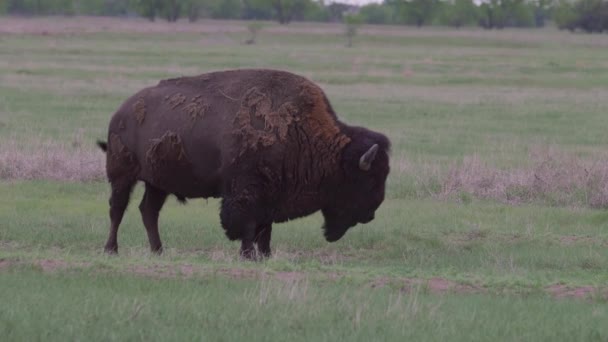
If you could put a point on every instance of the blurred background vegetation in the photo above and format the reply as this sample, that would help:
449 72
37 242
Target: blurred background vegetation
582 15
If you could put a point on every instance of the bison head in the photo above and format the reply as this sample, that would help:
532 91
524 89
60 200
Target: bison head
360 191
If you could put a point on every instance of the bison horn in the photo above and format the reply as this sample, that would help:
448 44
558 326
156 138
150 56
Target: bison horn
365 163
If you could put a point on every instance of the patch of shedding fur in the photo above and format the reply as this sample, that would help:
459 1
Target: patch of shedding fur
176 100
308 108
276 124
320 123
120 162
139 110
281 119
196 109
117 148
168 148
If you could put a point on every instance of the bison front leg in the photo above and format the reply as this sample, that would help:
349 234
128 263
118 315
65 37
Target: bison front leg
150 207
262 238
239 217
247 250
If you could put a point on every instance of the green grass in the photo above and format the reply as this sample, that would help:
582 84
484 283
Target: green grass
487 244
439 95
88 306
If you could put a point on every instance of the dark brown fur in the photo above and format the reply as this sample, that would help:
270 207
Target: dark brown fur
267 142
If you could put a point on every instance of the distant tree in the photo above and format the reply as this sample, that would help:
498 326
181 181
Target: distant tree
38 7
227 9
336 11
587 15
193 9
564 15
352 23
422 11
149 9
315 11
592 15
287 10
257 10
414 12
171 10
459 13
542 10
502 13
376 14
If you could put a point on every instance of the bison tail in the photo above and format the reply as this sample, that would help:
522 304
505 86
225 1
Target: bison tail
102 145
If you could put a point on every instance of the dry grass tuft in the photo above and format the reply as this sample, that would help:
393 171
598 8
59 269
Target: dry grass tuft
554 177
52 161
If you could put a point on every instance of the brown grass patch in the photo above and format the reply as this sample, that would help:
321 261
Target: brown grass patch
51 160
49 26
552 177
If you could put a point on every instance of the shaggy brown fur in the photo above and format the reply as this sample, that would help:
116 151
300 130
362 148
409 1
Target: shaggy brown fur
267 142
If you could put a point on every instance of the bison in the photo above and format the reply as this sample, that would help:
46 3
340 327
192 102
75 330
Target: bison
267 142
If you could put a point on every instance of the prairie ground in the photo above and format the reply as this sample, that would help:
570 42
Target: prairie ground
494 226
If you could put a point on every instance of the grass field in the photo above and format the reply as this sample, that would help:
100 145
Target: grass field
494 228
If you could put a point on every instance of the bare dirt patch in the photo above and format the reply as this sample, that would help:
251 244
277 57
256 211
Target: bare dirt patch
582 292
160 271
239 273
50 265
289 276
436 285
46 265
188 271
5 264
441 285
568 240
380 282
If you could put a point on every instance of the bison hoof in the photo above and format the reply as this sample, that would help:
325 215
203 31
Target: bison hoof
265 254
111 250
157 250
248 255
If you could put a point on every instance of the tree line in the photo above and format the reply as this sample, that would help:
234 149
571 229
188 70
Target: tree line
586 15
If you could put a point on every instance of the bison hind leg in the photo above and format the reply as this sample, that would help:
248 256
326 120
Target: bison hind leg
119 200
150 207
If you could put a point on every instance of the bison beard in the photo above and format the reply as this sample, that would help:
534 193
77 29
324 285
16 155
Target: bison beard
266 142
335 227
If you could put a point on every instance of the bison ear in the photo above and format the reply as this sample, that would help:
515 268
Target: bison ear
365 163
